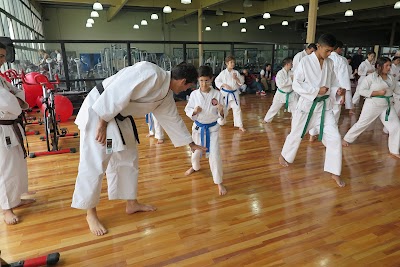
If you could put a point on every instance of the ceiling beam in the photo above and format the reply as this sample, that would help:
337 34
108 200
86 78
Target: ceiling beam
114 9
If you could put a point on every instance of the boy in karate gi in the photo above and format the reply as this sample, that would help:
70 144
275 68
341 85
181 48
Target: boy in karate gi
14 172
229 82
205 108
314 80
284 95
106 117
297 58
378 88
155 128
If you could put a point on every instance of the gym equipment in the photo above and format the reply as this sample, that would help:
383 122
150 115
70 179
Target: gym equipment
48 260
50 120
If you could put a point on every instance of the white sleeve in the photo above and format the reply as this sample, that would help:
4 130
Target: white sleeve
282 81
189 109
365 87
9 103
219 81
300 85
168 116
343 75
362 69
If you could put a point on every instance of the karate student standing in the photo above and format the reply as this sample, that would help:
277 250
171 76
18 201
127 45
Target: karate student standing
206 109
284 95
314 80
229 82
155 128
378 88
366 68
106 117
14 172
297 58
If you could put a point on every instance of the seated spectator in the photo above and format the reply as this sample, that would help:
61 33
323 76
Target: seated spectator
252 83
266 77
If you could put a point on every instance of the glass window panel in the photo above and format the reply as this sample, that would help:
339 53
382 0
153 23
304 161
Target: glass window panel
10 28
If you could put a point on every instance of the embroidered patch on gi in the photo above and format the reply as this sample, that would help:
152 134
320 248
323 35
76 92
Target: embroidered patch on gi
214 102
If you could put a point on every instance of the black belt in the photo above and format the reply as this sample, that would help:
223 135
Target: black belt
17 131
119 117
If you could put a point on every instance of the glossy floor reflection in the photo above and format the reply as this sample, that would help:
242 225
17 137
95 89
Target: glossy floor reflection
271 216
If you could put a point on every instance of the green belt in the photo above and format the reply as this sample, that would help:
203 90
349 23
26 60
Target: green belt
321 126
388 101
287 97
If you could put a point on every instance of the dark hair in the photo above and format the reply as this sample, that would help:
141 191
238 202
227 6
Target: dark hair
349 57
380 62
371 52
2 46
205 71
286 61
312 45
394 58
339 44
327 39
266 65
184 71
229 58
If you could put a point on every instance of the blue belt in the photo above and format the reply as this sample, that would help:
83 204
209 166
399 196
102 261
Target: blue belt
232 92
205 128
150 121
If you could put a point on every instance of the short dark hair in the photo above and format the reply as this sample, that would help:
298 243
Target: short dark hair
286 61
2 46
205 71
229 58
339 44
312 45
349 57
327 39
184 71
394 58
371 52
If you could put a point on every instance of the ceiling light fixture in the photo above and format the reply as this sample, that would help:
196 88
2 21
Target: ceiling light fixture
97 6
397 5
136 26
242 20
243 30
186 2
208 28
345 1
143 22
89 25
261 27
91 21
299 9
348 13
224 24
285 23
167 9
94 14
154 16
266 15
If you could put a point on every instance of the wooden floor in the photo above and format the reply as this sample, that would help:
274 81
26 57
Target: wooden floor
271 216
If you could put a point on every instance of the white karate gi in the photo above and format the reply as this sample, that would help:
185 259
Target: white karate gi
375 107
297 58
226 77
308 79
14 172
155 127
135 90
349 95
209 114
362 71
284 83
395 71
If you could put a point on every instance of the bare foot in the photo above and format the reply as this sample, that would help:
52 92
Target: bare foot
312 138
133 206
345 144
242 129
339 181
148 135
283 161
263 121
25 202
190 171
222 189
351 112
395 155
29 193
160 141
95 225
9 217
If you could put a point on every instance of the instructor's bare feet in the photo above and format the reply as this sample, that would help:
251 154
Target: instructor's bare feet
242 129
339 181
160 141
345 144
190 171
312 138
222 189
395 155
95 225
9 217
133 206
25 202
283 161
